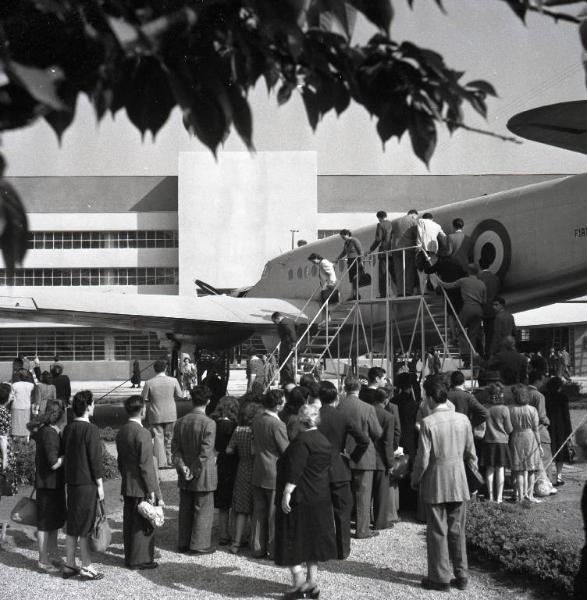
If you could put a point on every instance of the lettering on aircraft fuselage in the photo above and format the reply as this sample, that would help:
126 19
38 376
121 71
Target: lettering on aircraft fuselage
581 232
492 247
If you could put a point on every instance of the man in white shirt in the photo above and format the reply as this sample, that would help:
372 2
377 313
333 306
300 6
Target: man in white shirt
326 275
430 235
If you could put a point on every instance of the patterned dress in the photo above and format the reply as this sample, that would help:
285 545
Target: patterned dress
242 443
5 430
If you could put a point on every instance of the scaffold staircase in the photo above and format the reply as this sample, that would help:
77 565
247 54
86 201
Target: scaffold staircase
324 330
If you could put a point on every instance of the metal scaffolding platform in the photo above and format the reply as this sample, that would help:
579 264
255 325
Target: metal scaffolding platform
374 330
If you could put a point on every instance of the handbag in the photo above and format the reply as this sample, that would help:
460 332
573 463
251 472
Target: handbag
153 514
25 511
475 480
400 468
101 534
364 279
5 486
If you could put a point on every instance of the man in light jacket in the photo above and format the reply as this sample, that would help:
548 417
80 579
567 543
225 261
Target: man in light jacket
160 393
445 446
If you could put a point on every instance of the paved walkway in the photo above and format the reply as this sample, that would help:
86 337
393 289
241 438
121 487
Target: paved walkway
389 566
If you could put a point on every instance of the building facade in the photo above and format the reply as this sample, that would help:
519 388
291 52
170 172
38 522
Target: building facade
218 221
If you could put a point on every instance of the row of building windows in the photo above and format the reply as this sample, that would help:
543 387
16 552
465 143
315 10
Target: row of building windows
65 240
89 277
79 344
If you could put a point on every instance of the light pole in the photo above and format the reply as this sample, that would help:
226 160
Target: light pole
293 233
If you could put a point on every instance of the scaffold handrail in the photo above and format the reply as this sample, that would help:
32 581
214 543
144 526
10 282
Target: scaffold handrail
293 351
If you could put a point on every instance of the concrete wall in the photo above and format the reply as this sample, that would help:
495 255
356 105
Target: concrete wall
236 213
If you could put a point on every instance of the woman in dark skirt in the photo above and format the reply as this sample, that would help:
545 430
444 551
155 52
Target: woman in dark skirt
225 415
304 522
495 449
49 483
83 476
557 410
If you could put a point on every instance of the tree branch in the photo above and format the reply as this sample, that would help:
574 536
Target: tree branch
503 138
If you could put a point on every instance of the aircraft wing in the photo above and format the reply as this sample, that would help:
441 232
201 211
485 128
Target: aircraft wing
213 321
563 125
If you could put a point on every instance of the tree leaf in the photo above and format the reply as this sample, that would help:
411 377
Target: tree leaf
394 120
14 236
39 83
379 12
423 135
60 120
207 121
483 86
150 99
241 116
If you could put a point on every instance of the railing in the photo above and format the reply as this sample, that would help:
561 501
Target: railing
275 352
123 383
323 308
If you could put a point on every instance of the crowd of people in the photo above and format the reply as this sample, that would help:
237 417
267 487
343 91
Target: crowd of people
296 473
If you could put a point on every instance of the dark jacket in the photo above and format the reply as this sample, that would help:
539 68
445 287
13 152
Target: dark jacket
49 449
62 387
364 416
335 427
512 366
286 330
192 446
468 405
389 440
135 461
269 442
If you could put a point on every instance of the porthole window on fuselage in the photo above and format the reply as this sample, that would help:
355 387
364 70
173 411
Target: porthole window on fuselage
290 274
314 271
300 272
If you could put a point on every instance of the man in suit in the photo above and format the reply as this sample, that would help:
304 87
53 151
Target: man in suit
195 459
134 448
363 415
382 244
445 446
460 247
385 496
269 443
160 393
465 403
336 426
512 365
502 326
286 329
405 237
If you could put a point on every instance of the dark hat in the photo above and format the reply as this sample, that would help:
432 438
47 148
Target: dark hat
490 376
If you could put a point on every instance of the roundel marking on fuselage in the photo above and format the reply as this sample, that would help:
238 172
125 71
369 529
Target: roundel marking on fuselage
492 247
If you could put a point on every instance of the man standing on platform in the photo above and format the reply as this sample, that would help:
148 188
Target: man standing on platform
382 244
160 393
445 446
405 236
195 459
288 337
364 416
503 325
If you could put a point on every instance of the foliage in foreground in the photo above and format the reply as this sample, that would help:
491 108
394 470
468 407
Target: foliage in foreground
25 463
511 535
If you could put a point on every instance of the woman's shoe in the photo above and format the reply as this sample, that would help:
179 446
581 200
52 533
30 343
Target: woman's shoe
234 548
90 574
69 572
48 568
293 594
312 592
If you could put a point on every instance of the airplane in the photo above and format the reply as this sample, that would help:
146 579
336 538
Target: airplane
536 236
